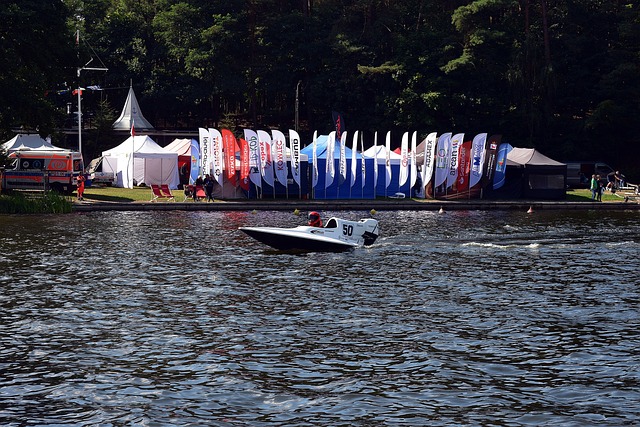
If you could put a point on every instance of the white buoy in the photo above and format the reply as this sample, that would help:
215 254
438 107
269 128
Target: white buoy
441 210
530 210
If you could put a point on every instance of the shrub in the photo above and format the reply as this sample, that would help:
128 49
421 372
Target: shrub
34 203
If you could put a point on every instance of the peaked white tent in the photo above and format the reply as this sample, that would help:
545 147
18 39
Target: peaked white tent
131 114
151 163
26 141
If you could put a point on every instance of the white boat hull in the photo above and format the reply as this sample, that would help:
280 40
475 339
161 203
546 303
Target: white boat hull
338 235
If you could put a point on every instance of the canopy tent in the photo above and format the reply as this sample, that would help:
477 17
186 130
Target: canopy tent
26 141
344 190
532 175
151 164
188 151
380 154
131 114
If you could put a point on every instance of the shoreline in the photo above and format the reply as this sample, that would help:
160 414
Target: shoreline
352 204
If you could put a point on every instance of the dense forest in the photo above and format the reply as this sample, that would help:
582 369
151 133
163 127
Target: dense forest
559 75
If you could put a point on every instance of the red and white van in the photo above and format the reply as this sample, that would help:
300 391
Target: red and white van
55 170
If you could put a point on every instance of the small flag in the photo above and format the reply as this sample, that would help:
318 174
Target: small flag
133 130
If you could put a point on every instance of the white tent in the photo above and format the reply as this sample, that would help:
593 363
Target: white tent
131 114
188 158
152 164
380 153
25 141
180 146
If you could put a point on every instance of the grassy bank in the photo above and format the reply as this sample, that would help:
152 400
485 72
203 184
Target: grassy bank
34 203
143 194
122 195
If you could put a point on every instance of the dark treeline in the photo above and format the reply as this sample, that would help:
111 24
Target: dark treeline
559 75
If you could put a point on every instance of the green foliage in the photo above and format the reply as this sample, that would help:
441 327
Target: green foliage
560 76
34 203
33 52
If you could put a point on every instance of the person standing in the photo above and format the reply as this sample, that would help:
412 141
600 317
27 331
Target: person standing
619 180
208 187
81 181
595 187
600 188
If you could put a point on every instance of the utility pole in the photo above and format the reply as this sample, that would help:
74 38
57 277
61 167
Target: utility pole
297 104
80 69
80 100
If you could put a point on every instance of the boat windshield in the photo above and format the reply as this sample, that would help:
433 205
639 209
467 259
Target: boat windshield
332 223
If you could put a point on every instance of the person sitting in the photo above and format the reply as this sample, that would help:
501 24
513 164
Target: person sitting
314 219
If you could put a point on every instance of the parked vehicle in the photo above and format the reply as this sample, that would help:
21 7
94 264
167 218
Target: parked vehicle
97 177
579 173
55 170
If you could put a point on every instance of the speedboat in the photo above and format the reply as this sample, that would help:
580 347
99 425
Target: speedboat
336 236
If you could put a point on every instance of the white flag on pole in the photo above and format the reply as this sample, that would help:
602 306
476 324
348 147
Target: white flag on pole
314 160
343 158
330 170
456 142
362 163
354 159
428 162
254 156
477 158
404 159
266 164
375 162
216 154
294 148
388 160
278 147
205 151
443 158
412 162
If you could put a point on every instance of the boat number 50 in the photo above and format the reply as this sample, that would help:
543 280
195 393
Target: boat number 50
347 230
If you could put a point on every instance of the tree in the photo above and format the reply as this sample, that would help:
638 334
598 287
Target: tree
36 48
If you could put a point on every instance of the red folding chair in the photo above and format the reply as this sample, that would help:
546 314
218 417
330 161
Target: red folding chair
166 192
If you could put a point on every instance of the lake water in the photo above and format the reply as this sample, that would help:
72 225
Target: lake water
462 318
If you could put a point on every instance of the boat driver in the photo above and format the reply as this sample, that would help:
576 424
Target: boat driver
314 219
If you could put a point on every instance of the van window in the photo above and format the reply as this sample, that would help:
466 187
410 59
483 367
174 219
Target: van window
78 165
32 163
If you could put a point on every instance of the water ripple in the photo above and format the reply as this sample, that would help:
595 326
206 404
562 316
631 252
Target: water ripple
466 318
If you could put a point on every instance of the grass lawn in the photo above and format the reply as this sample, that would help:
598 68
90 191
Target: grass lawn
114 194
584 195
143 194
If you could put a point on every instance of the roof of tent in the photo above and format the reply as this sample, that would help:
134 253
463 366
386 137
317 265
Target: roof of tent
181 146
131 114
530 157
142 146
25 141
380 152
321 149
